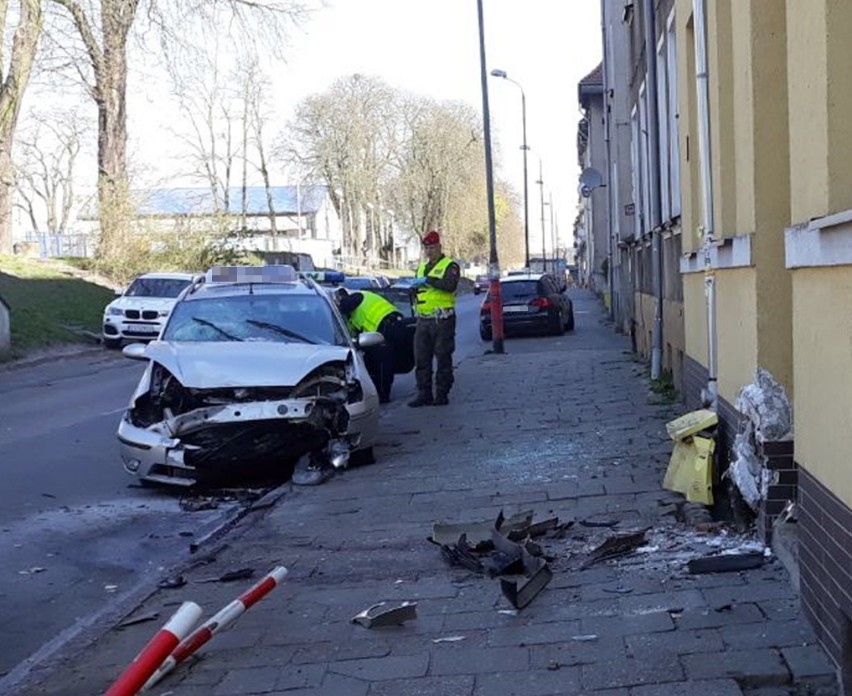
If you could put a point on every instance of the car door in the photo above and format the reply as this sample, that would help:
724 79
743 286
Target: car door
403 299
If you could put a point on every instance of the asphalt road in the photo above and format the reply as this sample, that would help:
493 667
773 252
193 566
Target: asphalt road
78 540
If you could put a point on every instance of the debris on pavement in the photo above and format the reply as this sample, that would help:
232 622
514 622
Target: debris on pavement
448 639
507 550
376 616
615 547
133 621
172 583
231 576
32 571
539 575
726 563
690 469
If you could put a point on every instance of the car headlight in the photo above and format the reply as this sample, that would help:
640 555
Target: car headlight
115 311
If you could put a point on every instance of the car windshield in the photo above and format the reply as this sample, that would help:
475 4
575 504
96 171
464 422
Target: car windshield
156 287
519 291
279 318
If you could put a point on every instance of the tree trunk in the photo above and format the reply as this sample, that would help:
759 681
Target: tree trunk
24 44
113 192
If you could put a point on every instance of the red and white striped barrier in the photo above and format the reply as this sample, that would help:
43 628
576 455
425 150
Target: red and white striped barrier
217 622
157 650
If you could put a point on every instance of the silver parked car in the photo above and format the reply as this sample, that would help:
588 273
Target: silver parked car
254 372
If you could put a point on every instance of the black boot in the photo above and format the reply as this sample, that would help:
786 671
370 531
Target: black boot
422 399
441 400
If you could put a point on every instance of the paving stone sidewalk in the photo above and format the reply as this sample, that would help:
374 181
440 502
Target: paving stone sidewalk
560 426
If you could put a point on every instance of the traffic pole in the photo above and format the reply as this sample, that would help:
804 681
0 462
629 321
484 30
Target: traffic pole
157 650
216 623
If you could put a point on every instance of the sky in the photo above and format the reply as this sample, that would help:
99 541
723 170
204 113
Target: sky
431 47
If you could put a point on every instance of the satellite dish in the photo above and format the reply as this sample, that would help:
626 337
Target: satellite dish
591 179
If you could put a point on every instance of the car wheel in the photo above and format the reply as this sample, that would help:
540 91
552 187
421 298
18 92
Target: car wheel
362 457
112 343
557 326
569 325
485 334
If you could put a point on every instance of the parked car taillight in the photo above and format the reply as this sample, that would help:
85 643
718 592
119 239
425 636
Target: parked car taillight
540 302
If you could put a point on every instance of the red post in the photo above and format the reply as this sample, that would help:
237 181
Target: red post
222 619
496 313
157 650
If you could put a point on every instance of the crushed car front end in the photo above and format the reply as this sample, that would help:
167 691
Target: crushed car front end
235 412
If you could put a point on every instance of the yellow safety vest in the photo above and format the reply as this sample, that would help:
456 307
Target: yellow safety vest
430 299
370 312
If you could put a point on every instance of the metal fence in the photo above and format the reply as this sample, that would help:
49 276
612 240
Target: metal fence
53 245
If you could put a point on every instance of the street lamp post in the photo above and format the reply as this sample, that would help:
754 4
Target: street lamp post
493 263
540 182
505 76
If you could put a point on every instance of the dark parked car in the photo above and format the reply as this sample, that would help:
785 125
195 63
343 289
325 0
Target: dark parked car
481 284
531 303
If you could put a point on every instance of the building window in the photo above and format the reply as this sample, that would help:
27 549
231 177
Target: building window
672 112
644 169
663 121
636 173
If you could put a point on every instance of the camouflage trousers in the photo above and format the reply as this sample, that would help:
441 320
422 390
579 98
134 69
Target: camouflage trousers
434 340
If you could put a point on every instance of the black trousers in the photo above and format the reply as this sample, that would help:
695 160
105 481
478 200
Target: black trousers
380 359
434 339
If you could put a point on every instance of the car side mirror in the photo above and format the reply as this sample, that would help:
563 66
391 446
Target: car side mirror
119 292
135 351
368 339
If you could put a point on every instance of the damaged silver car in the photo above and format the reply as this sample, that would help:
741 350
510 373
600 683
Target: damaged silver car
255 374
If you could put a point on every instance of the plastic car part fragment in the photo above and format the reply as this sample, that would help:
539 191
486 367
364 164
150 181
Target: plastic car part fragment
376 616
538 576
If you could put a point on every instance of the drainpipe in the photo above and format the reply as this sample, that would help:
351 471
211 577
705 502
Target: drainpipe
654 170
609 187
709 396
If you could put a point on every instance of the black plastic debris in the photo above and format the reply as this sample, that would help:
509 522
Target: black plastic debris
538 576
726 563
376 616
172 583
232 575
615 547
461 554
139 619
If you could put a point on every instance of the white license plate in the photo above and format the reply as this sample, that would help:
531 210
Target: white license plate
516 309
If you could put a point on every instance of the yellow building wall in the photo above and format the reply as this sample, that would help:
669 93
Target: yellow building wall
736 330
688 127
822 334
695 317
720 55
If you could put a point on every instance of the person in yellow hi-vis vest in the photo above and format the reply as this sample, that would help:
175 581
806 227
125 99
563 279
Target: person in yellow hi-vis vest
367 311
435 334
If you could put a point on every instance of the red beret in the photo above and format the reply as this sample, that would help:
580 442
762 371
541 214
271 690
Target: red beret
432 238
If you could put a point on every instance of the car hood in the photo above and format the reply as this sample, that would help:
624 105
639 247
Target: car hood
212 365
140 303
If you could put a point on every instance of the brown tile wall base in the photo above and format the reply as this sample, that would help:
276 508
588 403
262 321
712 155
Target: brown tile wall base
825 569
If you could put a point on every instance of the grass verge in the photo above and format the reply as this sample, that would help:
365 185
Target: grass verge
51 304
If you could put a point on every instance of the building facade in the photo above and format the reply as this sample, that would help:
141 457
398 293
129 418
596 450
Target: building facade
735 229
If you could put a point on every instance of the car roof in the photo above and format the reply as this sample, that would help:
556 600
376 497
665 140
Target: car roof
522 277
167 276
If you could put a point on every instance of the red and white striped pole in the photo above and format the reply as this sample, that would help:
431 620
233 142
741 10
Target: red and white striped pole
157 650
217 622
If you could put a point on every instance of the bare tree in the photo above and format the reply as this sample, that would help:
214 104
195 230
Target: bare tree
12 85
344 138
45 158
105 35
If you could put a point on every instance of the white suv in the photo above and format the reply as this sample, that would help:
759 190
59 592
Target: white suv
140 311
